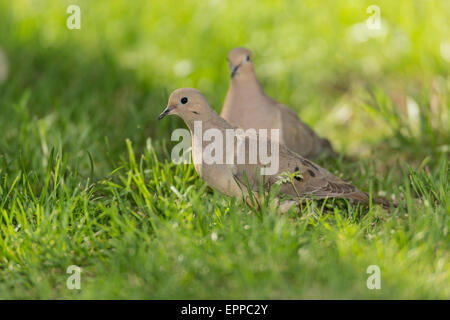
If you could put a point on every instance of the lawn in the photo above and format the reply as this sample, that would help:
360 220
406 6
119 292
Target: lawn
86 177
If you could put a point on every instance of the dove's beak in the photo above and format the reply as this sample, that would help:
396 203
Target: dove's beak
166 112
234 70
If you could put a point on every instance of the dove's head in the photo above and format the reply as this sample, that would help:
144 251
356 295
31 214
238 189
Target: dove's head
240 62
189 104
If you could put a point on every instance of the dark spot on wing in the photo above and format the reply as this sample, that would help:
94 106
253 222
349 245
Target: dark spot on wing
297 168
195 112
311 173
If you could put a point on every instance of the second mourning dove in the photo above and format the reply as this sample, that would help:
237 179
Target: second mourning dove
231 178
248 106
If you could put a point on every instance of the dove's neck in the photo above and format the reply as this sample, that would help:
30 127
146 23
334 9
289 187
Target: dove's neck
210 121
246 84
200 129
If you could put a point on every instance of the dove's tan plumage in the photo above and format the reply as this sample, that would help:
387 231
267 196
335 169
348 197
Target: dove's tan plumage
229 178
248 106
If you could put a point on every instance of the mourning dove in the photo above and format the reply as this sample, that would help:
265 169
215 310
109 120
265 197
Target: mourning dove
248 106
231 178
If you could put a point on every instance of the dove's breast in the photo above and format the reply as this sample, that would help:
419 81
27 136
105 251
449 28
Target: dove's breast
218 176
250 114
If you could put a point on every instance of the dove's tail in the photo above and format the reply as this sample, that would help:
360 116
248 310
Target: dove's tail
383 202
363 198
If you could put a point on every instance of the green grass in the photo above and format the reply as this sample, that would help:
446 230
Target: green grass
86 178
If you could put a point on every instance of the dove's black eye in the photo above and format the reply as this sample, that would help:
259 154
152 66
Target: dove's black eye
247 58
184 100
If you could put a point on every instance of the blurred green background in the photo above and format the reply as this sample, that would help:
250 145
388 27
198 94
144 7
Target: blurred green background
113 77
380 96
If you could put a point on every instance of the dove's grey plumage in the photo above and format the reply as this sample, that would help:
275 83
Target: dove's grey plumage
312 181
248 106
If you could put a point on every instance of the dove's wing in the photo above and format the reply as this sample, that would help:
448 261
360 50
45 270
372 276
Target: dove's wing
299 137
314 181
